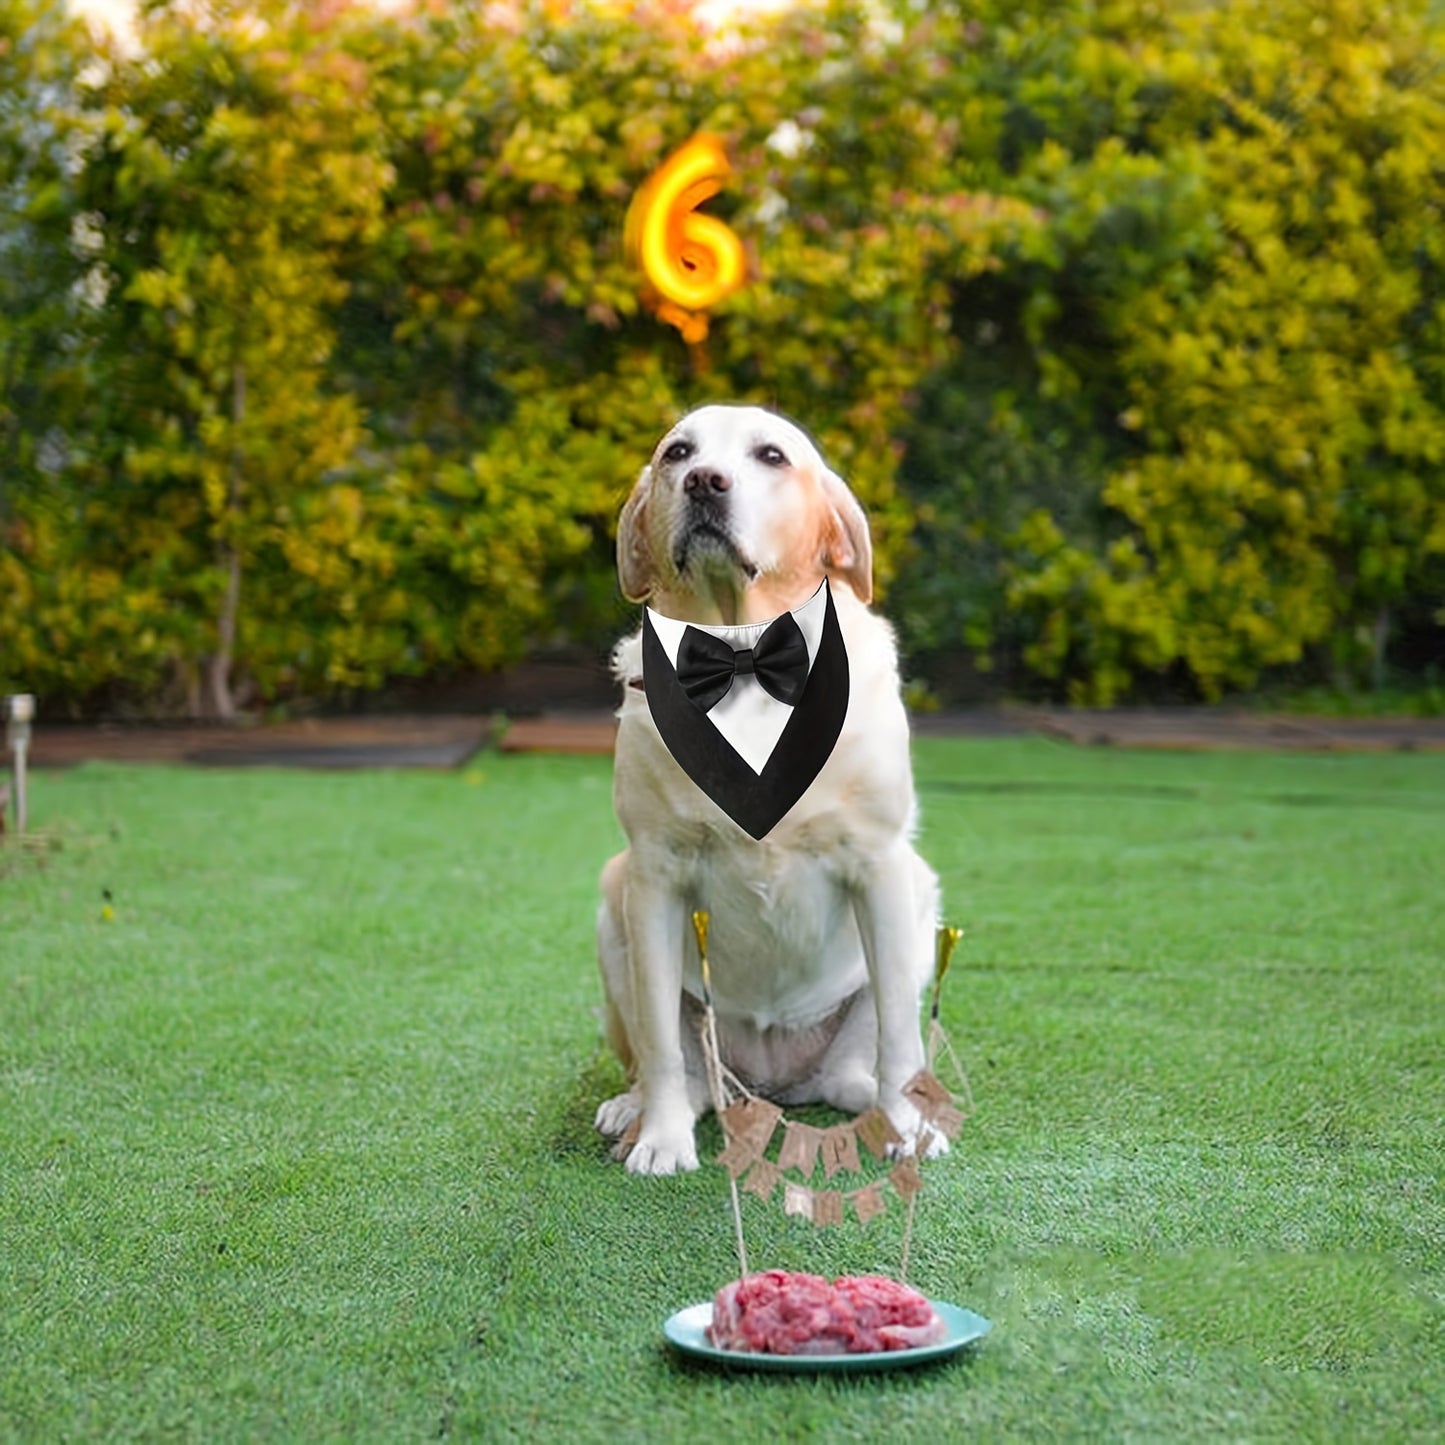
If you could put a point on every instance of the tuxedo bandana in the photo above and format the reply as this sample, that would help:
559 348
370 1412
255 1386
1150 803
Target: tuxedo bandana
710 670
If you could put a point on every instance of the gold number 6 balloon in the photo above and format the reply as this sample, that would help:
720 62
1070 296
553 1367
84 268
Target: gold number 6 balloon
691 261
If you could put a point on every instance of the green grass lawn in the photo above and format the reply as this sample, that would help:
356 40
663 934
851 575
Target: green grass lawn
298 1145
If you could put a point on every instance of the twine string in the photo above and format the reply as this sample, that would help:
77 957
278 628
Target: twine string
715 1082
946 941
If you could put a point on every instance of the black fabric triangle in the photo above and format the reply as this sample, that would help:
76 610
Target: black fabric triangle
756 802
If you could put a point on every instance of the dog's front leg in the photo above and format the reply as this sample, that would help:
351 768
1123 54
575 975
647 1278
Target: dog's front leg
887 915
656 918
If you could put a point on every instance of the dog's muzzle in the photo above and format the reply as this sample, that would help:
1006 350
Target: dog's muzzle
706 532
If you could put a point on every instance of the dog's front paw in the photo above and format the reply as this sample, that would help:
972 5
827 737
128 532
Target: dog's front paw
664 1143
659 1151
652 1137
614 1116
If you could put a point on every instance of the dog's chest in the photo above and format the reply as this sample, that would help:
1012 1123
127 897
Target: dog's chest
783 943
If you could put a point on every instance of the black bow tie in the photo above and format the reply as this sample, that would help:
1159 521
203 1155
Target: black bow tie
706 665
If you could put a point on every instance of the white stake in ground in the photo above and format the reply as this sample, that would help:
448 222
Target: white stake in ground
22 710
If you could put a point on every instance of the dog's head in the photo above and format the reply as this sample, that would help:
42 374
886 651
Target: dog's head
737 499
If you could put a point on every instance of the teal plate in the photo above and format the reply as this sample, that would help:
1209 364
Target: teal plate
687 1332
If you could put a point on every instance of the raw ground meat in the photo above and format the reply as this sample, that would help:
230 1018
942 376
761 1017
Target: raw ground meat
778 1313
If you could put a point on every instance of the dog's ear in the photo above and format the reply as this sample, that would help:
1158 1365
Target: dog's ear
848 545
635 568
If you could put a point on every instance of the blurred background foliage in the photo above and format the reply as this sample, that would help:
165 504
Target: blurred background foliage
321 365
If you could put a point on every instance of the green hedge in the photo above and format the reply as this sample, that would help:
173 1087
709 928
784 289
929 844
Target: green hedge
322 364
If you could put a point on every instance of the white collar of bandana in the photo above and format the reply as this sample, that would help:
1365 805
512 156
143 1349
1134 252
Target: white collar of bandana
747 716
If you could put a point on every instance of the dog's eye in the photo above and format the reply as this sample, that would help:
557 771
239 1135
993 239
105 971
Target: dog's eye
678 452
771 456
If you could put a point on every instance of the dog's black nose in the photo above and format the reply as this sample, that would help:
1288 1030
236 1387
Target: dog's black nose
704 479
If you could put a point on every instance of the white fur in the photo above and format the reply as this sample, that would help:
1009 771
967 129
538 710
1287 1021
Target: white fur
834 903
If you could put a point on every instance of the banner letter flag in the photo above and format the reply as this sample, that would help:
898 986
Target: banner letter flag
905 1178
797 1200
763 1179
840 1151
926 1093
800 1148
876 1131
738 1155
752 1119
867 1202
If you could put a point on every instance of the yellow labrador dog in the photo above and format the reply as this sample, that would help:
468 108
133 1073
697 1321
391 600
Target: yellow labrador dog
822 931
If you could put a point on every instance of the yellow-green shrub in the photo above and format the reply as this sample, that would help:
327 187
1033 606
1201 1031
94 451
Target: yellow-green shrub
1283 384
1145 302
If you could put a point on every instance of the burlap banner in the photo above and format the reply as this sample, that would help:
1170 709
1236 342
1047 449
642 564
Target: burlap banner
751 1124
